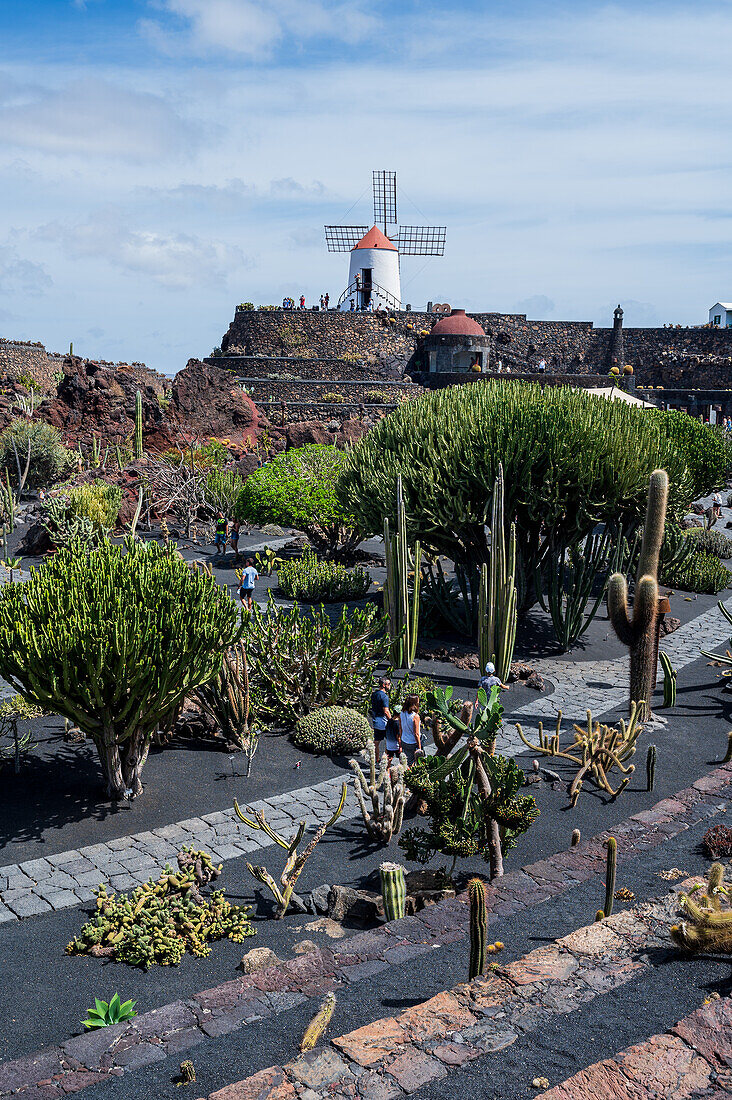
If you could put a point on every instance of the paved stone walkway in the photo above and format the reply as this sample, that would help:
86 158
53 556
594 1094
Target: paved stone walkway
61 881
507 1003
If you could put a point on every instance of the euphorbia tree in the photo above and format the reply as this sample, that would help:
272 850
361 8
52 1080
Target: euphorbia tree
114 640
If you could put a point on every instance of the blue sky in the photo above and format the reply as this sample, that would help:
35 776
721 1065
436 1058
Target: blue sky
162 160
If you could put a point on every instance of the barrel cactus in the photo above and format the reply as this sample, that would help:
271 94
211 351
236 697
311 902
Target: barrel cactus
332 730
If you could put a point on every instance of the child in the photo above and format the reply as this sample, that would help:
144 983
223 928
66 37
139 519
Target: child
246 589
490 680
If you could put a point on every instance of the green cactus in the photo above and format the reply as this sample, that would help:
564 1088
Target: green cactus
669 681
384 821
393 890
640 633
295 863
478 925
497 613
187 1073
611 864
576 837
650 767
318 1024
139 451
402 612
709 926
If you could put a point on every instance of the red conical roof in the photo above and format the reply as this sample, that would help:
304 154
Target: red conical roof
375 239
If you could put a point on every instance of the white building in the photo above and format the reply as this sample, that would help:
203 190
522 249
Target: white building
373 273
721 315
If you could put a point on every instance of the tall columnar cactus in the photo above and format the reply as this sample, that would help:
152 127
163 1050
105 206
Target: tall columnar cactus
669 681
384 821
393 890
640 633
403 612
497 614
138 425
611 864
478 925
650 767
318 1024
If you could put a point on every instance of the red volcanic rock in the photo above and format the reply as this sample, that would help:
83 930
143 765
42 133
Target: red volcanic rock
304 432
205 402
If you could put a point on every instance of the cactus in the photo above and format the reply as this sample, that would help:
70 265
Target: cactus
709 927
497 614
611 864
393 890
597 749
728 754
650 767
295 863
576 837
318 1024
187 1073
7 503
138 425
640 633
669 681
599 915
225 698
478 924
402 613
386 821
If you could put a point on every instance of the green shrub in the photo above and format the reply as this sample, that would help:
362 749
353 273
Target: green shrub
223 488
30 383
711 541
50 460
333 398
701 573
570 460
380 397
316 581
114 640
205 456
703 449
299 661
336 730
297 489
84 515
98 502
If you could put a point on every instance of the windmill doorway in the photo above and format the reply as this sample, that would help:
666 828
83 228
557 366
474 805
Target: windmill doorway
366 286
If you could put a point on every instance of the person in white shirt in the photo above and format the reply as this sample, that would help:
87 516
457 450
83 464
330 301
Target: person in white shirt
246 590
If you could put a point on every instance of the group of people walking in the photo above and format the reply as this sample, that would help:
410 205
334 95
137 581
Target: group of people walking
224 533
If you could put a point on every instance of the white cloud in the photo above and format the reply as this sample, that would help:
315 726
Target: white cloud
19 275
176 261
92 117
252 28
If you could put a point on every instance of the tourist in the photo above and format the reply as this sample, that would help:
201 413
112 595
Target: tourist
379 713
246 589
353 307
234 539
410 729
542 366
221 532
370 306
327 299
322 302
488 681
302 301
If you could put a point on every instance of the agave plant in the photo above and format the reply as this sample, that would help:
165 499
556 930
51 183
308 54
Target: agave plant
106 1013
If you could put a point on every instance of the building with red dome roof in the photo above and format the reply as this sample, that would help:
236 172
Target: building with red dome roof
457 343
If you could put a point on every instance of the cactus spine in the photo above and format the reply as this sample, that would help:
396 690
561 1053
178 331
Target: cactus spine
650 767
478 925
610 869
497 614
640 633
669 681
403 614
318 1024
709 927
393 890
138 425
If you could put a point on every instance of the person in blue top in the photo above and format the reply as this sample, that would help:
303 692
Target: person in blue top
246 589
380 713
490 680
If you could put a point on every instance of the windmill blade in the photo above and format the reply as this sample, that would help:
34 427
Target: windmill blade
385 199
421 240
342 238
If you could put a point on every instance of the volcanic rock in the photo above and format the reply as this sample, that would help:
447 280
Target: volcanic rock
205 402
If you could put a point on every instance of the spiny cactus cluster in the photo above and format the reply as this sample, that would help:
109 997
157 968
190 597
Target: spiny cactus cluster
159 921
384 821
314 581
708 926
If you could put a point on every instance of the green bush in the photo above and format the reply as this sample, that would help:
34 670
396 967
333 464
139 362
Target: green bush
336 730
298 662
701 573
333 398
711 541
50 460
297 489
316 581
571 460
114 640
703 449
84 515
98 502
223 488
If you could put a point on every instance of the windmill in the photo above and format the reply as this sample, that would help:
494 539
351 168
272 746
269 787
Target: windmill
373 275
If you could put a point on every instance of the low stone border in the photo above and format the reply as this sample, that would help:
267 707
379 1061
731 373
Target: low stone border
153 1036
404 1053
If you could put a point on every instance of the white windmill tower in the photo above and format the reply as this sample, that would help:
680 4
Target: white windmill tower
373 272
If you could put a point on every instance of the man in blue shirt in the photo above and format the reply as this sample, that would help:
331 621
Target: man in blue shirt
380 712
248 577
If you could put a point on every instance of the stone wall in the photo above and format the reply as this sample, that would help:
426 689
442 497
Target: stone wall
19 358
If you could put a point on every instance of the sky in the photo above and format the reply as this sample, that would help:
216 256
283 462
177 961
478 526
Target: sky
163 160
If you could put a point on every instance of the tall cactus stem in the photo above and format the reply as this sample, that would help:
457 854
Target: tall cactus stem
650 767
393 890
318 1024
610 869
497 609
669 681
401 611
138 425
478 925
